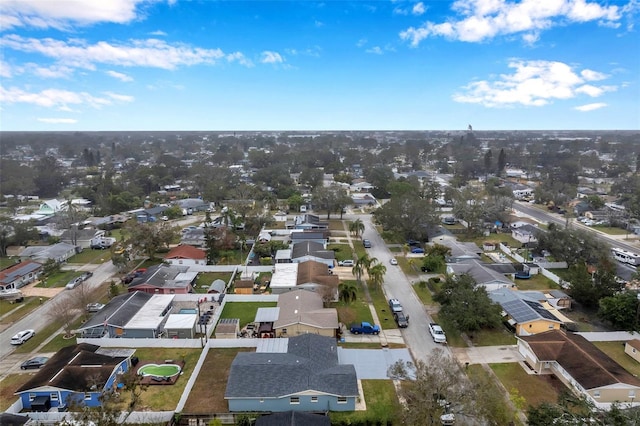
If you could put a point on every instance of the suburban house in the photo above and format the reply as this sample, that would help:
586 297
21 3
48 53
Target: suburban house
151 214
191 205
193 237
522 312
186 255
482 275
309 250
581 366
320 237
307 221
76 374
300 373
19 275
526 234
131 315
309 275
303 311
60 252
632 348
359 200
51 207
106 222
460 251
293 418
80 237
164 279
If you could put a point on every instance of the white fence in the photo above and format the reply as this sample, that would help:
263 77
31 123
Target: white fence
544 266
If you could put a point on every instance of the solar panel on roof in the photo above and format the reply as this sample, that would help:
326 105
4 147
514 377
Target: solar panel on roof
520 311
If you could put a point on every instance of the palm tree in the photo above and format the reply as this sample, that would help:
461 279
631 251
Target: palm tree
363 263
348 292
376 274
356 227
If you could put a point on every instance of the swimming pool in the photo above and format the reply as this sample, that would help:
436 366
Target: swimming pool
159 370
188 311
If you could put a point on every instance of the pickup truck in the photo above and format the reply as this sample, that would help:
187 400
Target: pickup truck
437 333
364 328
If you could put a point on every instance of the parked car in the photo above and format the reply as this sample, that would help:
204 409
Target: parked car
36 362
401 319
449 220
437 333
393 261
395 305
94 307
347 262
22 337
364 328
74 283
417 250
413 243
366 243
86 275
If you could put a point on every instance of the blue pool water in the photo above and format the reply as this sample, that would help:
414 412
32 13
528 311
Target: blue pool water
188 311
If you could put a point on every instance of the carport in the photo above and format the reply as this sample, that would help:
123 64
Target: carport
372 363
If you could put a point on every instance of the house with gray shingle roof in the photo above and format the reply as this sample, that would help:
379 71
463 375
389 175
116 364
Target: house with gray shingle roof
19 275
310 250
482 275
60 252
112 319
301 374
164 279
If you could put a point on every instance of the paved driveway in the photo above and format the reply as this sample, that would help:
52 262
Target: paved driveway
487 354
372 363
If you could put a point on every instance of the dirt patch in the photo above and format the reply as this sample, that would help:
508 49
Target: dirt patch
32 290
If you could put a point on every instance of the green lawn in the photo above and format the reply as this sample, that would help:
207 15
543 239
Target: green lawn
498 337
16 311
204 280
246 311
616 351
91 256
334 224
611 230
5 262
59 341
357 310
382 406
58 279
382 309
534 389
536 282
423 292
342 251
31 344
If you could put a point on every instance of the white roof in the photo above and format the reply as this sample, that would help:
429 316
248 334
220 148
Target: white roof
285 275
273 345
267 314
186 276
283 254
181 321
150 315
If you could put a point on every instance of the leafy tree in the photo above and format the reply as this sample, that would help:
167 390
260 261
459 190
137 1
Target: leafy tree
311 177
147 238
348 292
409 216
295 201
466 305
621 310
502 161
376 273
380 177
432 388
356 227
49 178
488 160
362 264
572 245
587 288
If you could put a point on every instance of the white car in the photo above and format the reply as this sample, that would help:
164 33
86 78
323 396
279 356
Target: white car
74 283
22 337
393 261
348 262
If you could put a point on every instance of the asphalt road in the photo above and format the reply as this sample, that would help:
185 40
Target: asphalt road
396 285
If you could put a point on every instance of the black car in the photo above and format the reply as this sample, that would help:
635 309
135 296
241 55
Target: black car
36 362
401 319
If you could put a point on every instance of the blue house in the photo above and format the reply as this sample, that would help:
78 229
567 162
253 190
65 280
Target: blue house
79 373
300 373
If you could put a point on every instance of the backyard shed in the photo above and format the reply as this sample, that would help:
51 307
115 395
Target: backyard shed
228 328
181 326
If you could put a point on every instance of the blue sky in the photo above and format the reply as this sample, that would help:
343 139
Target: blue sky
332 65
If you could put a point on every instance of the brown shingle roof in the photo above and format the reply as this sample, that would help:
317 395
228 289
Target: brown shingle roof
587 364
635 343
186 252
317 272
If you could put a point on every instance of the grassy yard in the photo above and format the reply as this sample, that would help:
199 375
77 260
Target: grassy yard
534 389
423 292
42 335
15 311
611 230
5 262
204 279
616 351
357 310
536 282
342 251
479 375
246 311
9 385
334 224
506 239
58 279
498 337
91 256
382 309
207 395
382 406
156 398
59 341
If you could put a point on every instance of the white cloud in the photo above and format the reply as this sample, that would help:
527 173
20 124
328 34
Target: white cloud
418 9
53 71
52 98
61 14
119 97
239 58
590 107
375 50
158 33
120 76
400 11
58 120
591 75
152 53
270 57
533 83
5 69
361 42
479 20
